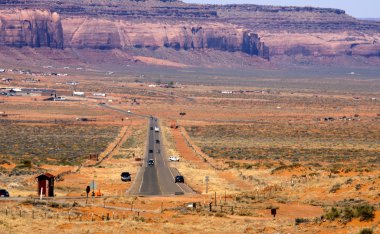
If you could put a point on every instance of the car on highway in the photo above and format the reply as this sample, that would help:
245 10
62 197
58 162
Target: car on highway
151 128
151 162
174 158
157 141
150 151
129 111
179 179
4 193
125 176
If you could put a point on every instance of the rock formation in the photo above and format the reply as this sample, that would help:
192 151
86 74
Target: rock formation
34 28
263 31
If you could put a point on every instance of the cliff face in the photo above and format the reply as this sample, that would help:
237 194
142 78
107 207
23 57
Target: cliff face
263 31
34 28
123 34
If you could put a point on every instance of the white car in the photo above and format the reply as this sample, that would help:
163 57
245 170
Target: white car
174 158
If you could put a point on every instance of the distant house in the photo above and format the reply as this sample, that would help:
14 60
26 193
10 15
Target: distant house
78 93
37 92
72 83
99 94
6 80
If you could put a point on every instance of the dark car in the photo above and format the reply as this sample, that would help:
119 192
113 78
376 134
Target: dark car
151 128
179 179
151 162
150 151
158 141
125 176
4 193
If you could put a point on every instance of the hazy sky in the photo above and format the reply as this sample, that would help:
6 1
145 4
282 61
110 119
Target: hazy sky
356 8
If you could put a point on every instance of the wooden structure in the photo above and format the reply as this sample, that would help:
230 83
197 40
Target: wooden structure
46 185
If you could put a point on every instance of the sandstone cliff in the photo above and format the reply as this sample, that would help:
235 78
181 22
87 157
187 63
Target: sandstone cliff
123 34
263 31
34 28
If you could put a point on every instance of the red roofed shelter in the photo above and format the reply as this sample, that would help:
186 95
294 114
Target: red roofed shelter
46 184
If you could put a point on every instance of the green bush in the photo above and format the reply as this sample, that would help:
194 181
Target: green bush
332 214
347 215
364 212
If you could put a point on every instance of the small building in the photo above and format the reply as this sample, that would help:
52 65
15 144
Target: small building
78 93
99 94
46 185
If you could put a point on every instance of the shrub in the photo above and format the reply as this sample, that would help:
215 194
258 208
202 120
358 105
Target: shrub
332 214
365 212
366 231
301 220
334 188
219 214
347 215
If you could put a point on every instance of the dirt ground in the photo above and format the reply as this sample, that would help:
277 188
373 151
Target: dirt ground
270 148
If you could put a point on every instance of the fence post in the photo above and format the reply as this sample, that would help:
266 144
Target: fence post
92 217
210 206
32 213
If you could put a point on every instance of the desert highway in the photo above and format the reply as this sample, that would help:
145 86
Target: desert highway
156 180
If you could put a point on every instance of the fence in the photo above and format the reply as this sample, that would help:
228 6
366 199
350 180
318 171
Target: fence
70 215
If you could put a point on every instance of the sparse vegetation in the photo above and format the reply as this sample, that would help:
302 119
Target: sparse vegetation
366 231
346 214
53 144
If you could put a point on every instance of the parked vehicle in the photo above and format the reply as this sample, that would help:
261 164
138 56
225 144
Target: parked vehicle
179 179
151 162
126 176
174 158
4 193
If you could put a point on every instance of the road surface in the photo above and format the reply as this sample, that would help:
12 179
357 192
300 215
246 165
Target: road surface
157 179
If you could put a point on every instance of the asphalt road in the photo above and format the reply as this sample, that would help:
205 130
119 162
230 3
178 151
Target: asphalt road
158 179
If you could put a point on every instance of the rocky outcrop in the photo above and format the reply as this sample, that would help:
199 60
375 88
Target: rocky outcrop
253 46
263 31
181 35
34 28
